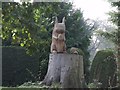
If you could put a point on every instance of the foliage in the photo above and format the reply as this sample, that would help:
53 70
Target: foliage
0 16
30 25
38 84
103 68
95 84
116 20
18 67
109 36
115 35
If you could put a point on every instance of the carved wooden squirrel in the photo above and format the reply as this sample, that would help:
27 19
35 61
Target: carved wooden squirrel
58 37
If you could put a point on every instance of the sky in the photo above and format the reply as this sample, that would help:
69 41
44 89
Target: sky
93 9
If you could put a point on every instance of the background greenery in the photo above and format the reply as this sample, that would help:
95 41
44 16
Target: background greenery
103 69
18 67
30 25
114 35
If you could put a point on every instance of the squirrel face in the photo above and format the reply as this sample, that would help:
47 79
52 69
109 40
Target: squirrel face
59 28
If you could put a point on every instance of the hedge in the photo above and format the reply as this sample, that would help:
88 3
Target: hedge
103 69
17 66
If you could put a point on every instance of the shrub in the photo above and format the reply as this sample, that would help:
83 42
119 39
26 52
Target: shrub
103 68
17 66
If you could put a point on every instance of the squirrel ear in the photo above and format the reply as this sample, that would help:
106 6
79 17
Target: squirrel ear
63 20
56 20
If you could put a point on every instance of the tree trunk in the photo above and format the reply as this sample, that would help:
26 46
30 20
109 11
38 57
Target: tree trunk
66 69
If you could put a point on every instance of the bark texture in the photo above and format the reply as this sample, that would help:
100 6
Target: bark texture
66 69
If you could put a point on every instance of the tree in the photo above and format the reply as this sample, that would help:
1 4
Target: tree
65 70
116 20
29 25
115 35
0 17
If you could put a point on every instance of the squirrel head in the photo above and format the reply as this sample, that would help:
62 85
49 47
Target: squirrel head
59 27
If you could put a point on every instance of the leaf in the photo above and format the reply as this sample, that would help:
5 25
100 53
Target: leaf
21 44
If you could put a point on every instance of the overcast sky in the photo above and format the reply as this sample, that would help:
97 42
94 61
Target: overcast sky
93 9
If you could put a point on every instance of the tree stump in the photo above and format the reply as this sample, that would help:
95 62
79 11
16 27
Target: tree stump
66 69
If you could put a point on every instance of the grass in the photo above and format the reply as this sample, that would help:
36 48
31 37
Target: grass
31 86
